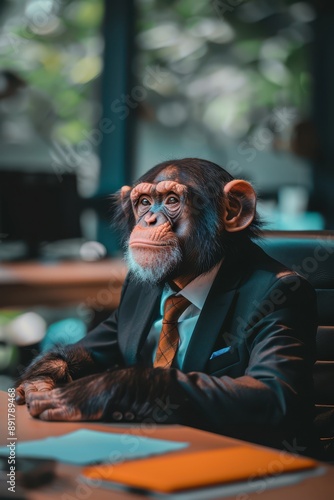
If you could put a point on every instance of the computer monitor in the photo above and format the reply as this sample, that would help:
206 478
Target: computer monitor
37 208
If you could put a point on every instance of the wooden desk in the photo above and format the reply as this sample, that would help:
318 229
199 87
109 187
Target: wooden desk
65 486
97 284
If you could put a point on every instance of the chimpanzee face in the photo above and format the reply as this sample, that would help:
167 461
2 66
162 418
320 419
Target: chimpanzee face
174 240
163 222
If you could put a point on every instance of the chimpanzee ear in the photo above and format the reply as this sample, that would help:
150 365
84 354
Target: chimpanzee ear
124 195
240 205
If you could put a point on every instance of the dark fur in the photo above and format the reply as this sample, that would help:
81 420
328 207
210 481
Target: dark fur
62 365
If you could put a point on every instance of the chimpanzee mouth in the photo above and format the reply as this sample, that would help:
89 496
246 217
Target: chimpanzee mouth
141 243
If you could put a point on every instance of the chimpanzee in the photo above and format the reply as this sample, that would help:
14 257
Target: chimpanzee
238 358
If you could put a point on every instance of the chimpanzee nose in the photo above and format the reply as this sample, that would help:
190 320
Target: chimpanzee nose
154 218
150 218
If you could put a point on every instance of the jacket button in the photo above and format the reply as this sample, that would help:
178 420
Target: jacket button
117 415
129 416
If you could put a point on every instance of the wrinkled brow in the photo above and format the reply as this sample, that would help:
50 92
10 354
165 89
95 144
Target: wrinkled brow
162 187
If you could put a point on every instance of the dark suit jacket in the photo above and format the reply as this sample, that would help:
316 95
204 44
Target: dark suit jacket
264 315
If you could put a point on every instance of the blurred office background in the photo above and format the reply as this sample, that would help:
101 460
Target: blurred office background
93 93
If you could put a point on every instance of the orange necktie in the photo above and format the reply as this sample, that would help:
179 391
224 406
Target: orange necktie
169 335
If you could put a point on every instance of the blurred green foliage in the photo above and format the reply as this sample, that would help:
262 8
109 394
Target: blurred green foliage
228 62
56 47
229 59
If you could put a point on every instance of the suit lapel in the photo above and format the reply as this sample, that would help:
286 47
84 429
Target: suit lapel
213 315
142 307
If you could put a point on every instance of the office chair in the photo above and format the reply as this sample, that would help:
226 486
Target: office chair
311 254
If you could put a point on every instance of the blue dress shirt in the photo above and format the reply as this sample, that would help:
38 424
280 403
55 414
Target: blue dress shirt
196 292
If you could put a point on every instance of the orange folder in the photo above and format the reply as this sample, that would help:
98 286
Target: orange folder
183 471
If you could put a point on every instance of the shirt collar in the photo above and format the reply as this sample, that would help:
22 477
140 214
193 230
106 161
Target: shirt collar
198 289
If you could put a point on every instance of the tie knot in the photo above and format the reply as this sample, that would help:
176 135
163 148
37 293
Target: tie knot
174 307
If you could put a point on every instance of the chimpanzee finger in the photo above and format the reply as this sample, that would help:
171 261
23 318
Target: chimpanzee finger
41 395
20 395
28 388
23 390
36 405
36 386
61 413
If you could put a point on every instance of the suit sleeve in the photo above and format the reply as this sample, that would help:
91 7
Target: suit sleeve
276 389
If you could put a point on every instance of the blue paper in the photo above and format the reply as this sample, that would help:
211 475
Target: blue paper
84 447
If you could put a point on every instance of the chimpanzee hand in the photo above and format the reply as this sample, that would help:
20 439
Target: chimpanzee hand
42 376
57 367
132 394
83 399
26 387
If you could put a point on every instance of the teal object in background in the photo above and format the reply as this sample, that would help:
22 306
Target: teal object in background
65 332
116 127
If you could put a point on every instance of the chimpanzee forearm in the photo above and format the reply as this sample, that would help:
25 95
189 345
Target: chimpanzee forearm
134 394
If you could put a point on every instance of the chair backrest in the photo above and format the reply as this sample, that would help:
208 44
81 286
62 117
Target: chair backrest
311 254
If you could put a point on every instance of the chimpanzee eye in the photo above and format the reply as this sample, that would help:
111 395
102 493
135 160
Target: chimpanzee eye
144 201
172 200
